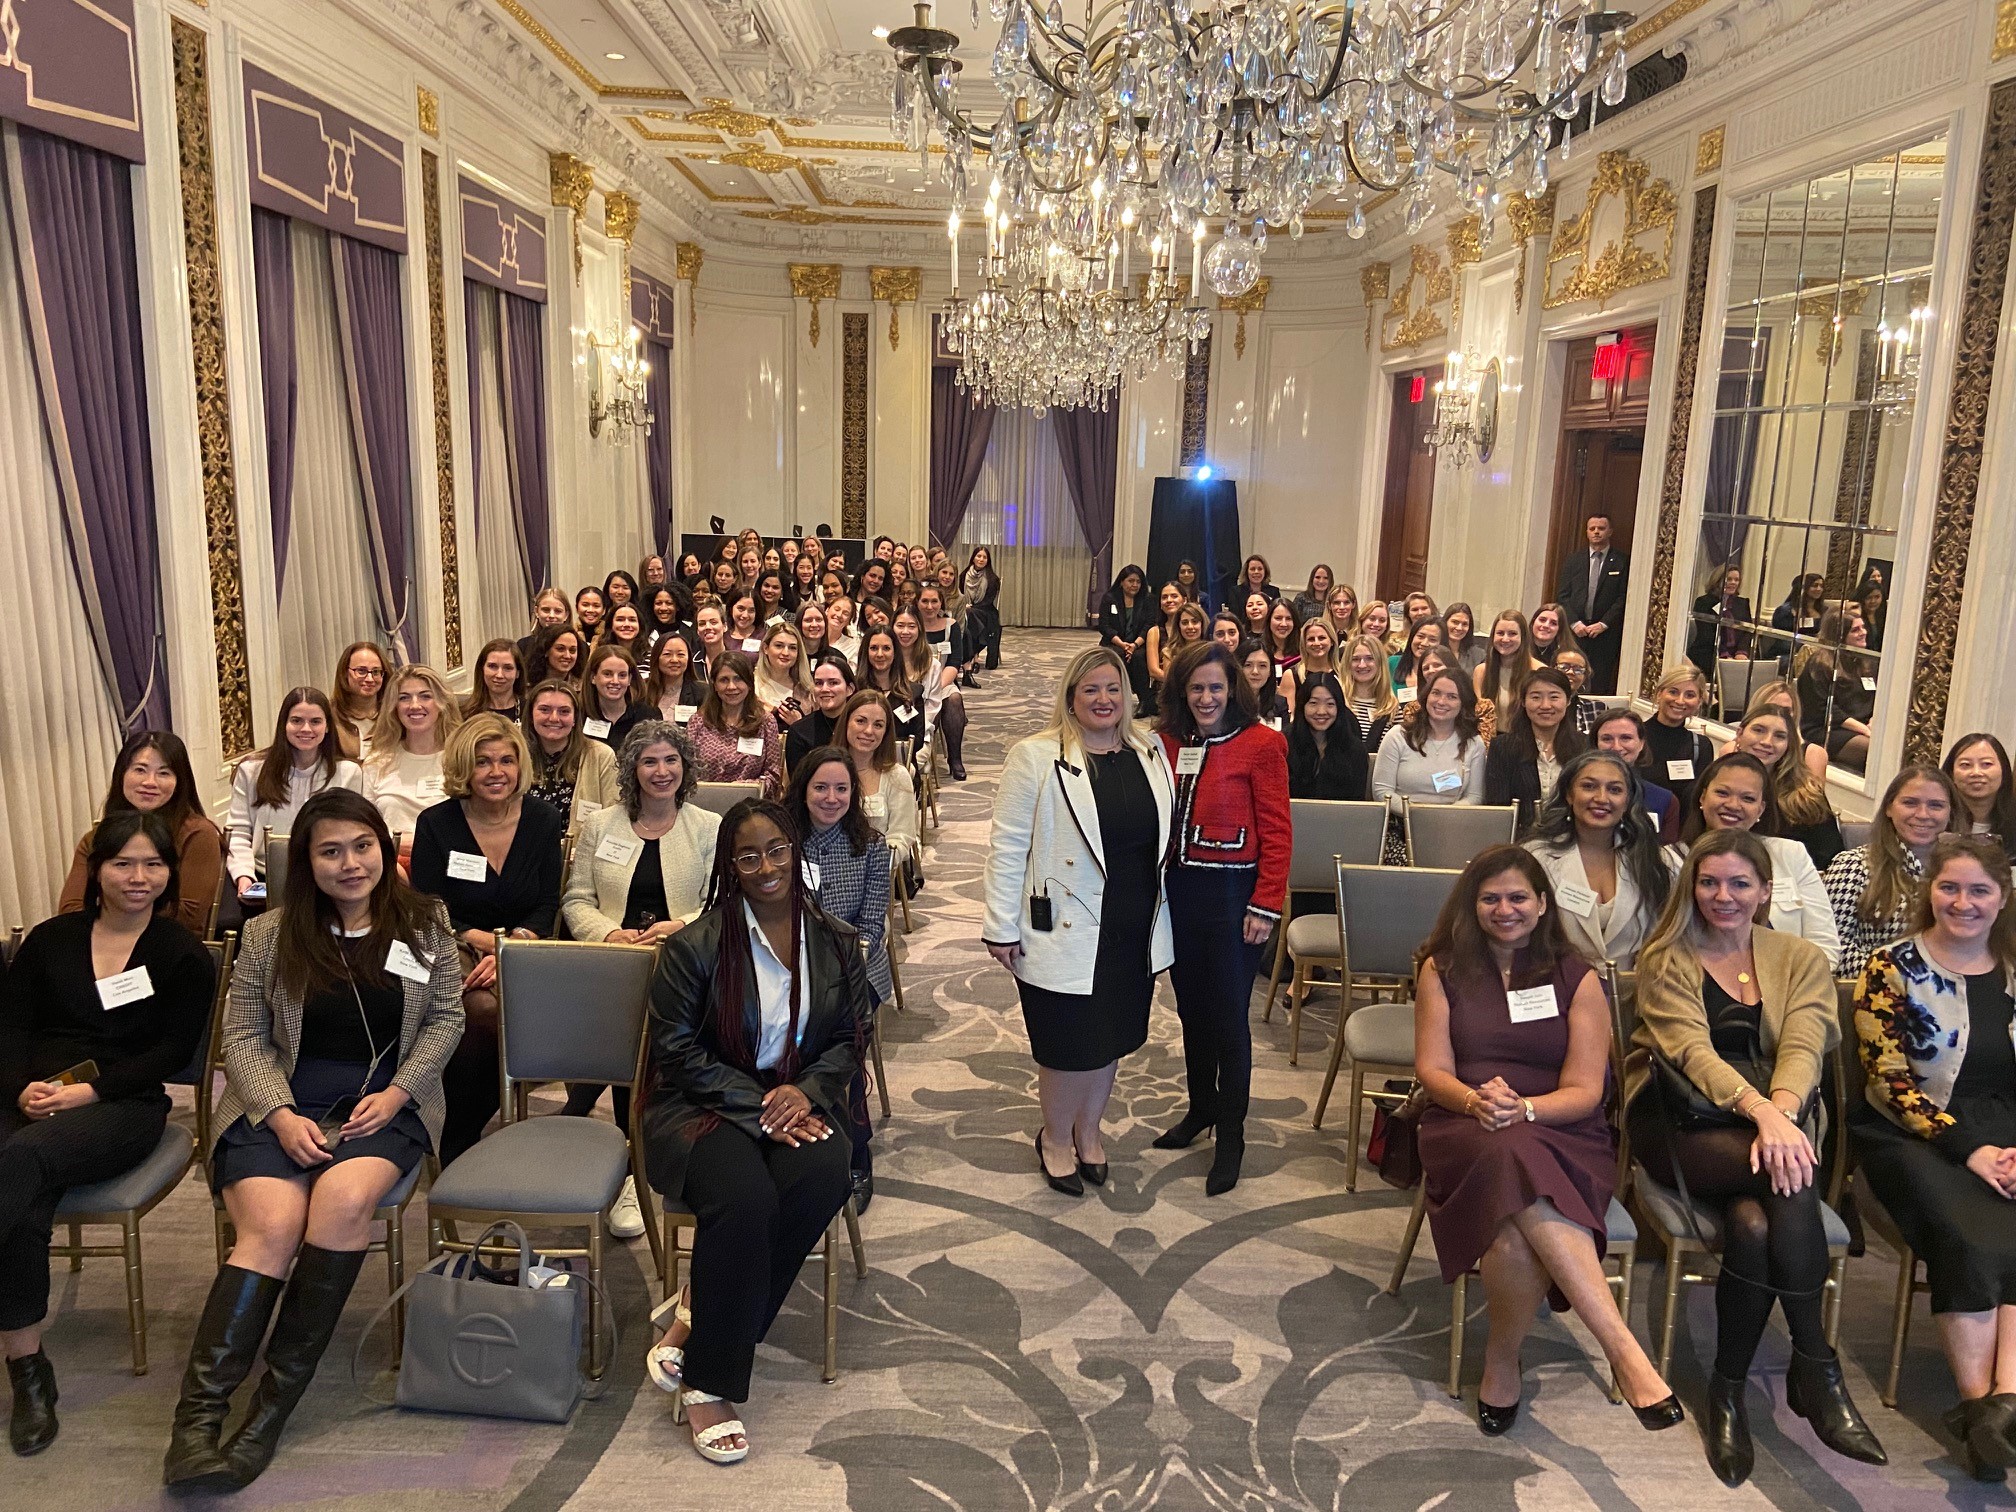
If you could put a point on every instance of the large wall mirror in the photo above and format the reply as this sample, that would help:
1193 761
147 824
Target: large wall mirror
1829 281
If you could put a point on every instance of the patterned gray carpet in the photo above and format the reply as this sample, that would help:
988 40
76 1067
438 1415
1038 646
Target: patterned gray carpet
1016 1349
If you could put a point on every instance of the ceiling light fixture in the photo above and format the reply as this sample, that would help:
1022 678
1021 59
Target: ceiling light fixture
615 57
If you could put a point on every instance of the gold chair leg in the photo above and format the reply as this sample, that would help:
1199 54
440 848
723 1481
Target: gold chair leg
1336 1061
217 1222
903 897
136 1294
854 1240
76 1242
895 975
1626 1262
831 1371
1671 1317
395 1266
1354 1120
596 1364
1830 1307
881 1076
1409 1239
1274 976
1900 1324
1459 1296
1298 990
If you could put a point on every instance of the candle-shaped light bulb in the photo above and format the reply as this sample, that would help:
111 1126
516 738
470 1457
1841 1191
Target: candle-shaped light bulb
1197 261
952 235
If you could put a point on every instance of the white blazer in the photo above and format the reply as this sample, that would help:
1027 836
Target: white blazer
598 886
1629 921
1046 830
1799 902
897 823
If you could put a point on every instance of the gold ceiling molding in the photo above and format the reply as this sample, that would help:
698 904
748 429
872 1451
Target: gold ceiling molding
759 159
837 144
816 282
639 125
2005 31
1375 282
427 107
1650 212
1411 318
900 286
722 116
1708 150
573 181
1657 22
796 215
1252 302
444 433
575 66
1466 240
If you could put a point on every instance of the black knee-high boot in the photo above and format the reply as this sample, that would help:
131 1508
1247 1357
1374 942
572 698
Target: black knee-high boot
314 1302
227 1342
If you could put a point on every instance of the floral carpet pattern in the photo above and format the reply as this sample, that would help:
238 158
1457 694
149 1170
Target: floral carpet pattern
1014 1350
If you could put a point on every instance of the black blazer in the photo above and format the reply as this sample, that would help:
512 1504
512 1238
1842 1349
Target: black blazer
1118 623
1704 640
1573 590
689 1079
1511 778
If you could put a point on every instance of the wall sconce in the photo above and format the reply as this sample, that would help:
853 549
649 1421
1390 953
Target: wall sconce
619 406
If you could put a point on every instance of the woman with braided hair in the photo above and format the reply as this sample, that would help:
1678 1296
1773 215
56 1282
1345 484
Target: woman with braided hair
759 1015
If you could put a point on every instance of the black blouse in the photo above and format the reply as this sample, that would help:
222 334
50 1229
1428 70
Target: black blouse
51 1017
524 894
346 1022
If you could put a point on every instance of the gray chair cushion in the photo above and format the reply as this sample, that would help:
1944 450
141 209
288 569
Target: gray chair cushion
137 1187
1381 1034
403 1187
552 1164
1665 1208
1313 935
1617 1225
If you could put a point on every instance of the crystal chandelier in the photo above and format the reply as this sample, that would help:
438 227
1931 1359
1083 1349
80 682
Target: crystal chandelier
619 406
1250 113
1453 432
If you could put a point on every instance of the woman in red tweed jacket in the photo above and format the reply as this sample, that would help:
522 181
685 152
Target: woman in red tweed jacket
1227 880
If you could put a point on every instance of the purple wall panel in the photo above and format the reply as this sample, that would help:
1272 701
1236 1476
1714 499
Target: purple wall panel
503 243
320 164
71 68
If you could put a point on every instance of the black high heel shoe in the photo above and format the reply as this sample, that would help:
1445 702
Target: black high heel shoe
1071 1186
1185 1133
1664 1413
1096 1174
1495 1421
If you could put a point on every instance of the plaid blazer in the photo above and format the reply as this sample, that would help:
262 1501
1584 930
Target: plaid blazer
262 1030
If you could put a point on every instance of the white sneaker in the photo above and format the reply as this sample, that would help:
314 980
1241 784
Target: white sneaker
626 1219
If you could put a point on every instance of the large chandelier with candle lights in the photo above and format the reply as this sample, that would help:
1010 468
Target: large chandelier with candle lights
1249 113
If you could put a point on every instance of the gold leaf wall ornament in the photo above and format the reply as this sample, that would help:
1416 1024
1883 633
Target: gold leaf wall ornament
1252 302
816 282
797 215
1708 150
444 435
1642 254
854 423
722 116
900 286
1466 240
1531 216
427 107
1411 317
687 257
759 159
213 397
573 181
621 213
1375 282
2004 45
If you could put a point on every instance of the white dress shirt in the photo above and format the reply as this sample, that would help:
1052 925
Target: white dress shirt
773 992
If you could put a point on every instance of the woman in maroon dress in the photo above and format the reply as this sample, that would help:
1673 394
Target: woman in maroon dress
1511 1042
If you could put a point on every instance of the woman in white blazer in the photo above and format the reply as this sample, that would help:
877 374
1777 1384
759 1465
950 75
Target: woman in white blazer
1075 906
1600 849
1735 792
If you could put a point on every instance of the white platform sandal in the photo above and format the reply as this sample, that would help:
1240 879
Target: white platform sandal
707 1441
665 1362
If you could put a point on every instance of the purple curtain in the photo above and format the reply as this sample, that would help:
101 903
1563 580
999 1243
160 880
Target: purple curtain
369 314
960 431
658 456
1088 444
523 346
73 218
273 274
473 295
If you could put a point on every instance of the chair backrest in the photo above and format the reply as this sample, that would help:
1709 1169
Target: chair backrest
1621 996
216 906
719 797
1447 835
569 1011
14 938
276 867
1326 829
202 1070
1855 832
1738 678
1383 913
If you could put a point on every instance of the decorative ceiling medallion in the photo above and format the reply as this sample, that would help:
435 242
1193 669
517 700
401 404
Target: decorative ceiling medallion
1412 317
1708 150
816 282
900 286
1252 302
722 116
1466 240
1648 212
759 159
427 107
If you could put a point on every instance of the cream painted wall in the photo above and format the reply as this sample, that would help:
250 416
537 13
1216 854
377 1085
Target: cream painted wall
1300 505
744 465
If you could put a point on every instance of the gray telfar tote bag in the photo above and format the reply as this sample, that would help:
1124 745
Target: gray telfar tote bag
488 1349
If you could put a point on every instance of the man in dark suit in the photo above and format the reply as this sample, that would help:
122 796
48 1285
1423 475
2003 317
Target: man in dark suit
1592 590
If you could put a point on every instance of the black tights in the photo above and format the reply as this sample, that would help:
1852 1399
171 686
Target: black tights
1765 1237
952 720
582 1097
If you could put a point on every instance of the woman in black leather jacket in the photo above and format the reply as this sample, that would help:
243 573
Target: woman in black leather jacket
759 1015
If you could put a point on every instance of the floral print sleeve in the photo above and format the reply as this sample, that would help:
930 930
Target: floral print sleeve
1887 1023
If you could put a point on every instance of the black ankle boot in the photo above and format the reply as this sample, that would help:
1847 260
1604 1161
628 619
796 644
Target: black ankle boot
1727 1431
1185 1133
33 1426
309 1313
1978 1423
1814 1389
1224 1174
227 1341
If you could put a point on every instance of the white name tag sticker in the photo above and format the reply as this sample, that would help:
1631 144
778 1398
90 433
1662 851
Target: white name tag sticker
811 869
1868 685
621 849
465 867
1189 761
1530 1004
401 962
749 745
126 987
1448 782
1406 695
595 729
775 619
1680 771
1577 899
433 787
584 807
905 714
752 645
875 806
683 713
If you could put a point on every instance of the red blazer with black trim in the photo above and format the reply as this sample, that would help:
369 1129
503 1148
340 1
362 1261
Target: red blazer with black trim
1234 811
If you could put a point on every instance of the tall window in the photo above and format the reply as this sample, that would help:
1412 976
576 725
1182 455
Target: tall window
1828 286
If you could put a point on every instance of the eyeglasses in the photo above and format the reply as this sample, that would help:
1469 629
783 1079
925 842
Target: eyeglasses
751 862
374 674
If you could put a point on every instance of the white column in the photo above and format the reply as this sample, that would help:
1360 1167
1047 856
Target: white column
899 438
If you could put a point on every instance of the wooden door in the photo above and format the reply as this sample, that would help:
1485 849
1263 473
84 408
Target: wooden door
1410 488
1602 444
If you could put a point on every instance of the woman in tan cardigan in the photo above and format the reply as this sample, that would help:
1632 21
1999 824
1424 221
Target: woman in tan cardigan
1746 1016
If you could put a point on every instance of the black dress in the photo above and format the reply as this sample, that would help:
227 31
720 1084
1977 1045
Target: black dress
1069 1032
1960 1227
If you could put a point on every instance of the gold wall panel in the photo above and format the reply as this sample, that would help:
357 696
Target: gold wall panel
1641 255
854 423
444 421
